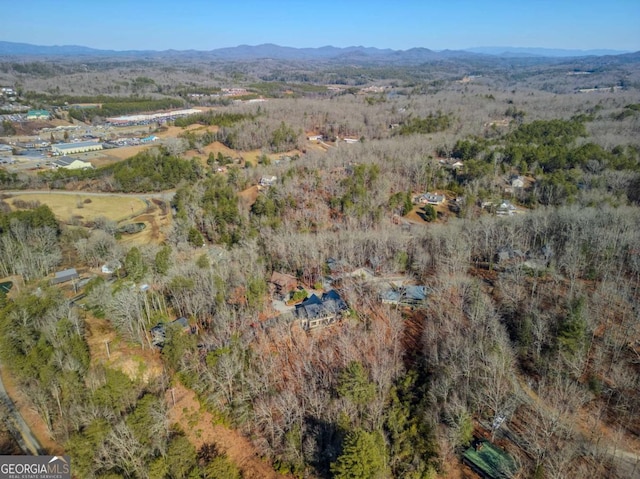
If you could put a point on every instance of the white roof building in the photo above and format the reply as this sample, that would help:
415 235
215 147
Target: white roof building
71 164
79 147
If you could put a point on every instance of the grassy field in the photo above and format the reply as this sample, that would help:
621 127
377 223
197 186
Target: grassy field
85 207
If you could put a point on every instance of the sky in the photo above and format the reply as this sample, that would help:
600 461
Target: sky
395 24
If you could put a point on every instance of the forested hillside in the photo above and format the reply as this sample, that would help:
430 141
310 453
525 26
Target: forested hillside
504 308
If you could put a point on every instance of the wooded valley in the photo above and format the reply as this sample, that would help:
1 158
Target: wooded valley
525 336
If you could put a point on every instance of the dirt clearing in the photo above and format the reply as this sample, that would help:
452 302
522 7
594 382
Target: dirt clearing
187 411
138 364
122 153
156 219
248 197
215 148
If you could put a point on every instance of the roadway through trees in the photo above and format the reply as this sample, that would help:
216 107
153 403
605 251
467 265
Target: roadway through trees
18 427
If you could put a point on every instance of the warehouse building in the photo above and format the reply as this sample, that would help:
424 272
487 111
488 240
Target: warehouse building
71 148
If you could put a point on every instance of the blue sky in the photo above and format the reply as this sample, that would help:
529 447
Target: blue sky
399 24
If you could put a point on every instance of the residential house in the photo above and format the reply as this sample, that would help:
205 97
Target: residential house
539 260
409 295
431 199
507 253
282 284
315 312
5 149
159 331
363 274
517 182
505 208
266 181
315 137
64 276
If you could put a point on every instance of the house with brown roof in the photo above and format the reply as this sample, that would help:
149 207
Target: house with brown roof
282 284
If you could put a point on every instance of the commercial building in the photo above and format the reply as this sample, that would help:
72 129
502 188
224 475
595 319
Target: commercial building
153 117
71 148
71 164
38 115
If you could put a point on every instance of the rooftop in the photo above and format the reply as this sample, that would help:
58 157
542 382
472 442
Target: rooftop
330 304
490 461
71 146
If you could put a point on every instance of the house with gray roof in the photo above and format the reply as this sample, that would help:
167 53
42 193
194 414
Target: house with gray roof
431 199
406 295
315 312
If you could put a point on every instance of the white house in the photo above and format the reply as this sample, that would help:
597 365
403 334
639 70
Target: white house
268 180
111 267
431 199
505 208
517 182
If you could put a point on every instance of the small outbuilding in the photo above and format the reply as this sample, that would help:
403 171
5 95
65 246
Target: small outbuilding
111 267
489 461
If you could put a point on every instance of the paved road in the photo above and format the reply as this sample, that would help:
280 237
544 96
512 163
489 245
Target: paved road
163 195
19 429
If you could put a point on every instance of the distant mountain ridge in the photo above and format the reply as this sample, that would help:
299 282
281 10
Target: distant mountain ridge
543 52
277 52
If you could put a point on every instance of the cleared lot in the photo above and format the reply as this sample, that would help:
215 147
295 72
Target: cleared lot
84 207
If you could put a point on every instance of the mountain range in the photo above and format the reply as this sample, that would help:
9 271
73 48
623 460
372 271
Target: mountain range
276 52
543 52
